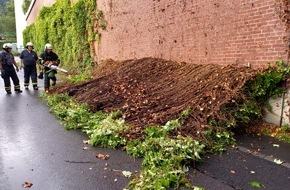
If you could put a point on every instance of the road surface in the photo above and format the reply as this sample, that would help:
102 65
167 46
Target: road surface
35 148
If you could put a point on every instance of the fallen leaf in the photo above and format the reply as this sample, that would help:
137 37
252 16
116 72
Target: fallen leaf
115 180
233 171
127 174
102 156
85 148
253 172
123 148
256 184
276 145
198 188
27 185
278 161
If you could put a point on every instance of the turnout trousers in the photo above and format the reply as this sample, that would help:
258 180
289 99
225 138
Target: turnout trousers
10 73
49 75
30 72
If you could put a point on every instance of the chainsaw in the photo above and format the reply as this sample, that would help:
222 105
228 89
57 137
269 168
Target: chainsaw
51 66
54 67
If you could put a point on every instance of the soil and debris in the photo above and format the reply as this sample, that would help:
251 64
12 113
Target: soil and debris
152 91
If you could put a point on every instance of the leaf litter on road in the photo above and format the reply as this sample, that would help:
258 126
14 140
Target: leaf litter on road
27 184
256 184
103 157
278 161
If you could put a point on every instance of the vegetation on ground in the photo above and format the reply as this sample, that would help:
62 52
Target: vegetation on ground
168 147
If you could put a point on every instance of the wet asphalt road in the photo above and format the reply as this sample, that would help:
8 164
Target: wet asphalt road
252 160
35 148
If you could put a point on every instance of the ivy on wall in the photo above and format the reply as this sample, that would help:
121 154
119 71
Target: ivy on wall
72 29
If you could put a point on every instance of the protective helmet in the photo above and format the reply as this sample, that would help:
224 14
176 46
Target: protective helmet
29 44
47 46
7 45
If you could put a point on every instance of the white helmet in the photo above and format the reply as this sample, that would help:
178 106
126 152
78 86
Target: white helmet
29 44
7 45
47 46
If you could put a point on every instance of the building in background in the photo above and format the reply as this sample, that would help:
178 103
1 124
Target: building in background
34 9
200 32
22 20
20 23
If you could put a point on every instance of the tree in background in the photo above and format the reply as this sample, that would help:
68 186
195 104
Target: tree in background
7 19
25 5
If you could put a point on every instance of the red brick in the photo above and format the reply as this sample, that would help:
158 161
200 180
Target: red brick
200 31
195 31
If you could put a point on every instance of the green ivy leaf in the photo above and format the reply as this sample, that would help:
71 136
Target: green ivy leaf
256 184
198 188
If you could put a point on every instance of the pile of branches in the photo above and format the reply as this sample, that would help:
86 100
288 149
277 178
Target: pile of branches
153 91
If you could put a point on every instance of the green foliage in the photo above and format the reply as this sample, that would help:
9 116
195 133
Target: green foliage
3 42
282 133
284 137
102 129
25 5
83 74
7 20
69 28
266 84
198 188
79 77
107 132
247 111
164 158
69 112
218 140
256 184
257 92
285 128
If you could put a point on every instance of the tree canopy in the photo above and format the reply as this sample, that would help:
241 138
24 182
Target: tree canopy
7 19
26 5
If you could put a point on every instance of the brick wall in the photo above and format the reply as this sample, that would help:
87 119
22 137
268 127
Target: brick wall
195 31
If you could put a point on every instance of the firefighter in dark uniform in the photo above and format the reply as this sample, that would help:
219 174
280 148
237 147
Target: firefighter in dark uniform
49 58
28 59
7 64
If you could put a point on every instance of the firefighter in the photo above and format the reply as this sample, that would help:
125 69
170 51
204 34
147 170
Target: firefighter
7 64
28 60
49 58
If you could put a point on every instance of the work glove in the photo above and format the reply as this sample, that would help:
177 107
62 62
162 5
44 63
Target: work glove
2 73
